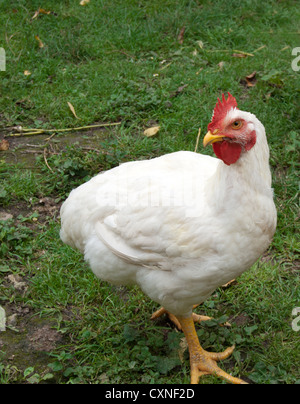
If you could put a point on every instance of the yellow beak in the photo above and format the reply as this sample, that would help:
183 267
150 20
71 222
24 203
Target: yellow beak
210 138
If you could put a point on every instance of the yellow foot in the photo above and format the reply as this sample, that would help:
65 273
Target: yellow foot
203 362
197 318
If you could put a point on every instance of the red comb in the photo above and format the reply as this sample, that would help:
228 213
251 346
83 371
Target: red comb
221 110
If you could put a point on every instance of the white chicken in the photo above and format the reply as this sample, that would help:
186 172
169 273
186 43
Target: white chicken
182 224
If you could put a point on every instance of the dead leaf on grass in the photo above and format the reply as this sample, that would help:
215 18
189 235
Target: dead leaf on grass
221 65
40 43
226 285
27 73
40 11
35 15
181 35
200 44
178 91
4 145
239 55
181 88
84 2
151 131
251 79
72 110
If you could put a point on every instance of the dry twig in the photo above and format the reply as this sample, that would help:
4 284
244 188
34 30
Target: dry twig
29 132
45 159
197 141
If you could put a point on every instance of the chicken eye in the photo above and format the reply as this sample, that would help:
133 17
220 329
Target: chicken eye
237 124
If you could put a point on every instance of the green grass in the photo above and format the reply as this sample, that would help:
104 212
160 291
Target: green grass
122 61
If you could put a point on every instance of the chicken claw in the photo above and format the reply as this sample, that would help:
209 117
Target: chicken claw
203 362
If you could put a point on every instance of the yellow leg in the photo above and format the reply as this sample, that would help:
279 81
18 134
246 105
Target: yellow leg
203 362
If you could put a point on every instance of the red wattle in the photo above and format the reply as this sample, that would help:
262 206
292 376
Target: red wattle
228 152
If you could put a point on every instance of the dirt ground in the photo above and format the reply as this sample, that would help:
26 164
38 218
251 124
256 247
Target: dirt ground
28 339
24 149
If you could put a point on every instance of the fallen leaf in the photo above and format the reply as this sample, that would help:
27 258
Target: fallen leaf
226 324
251 76
151 131
179 90
4 145
35 15
181 35
221 65
84 2
72 110
226 285
251 79
239 55
41 45
268 96
201 68
27 73
40 11
200 44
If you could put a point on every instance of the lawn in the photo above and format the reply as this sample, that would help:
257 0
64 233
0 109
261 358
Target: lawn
137 64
